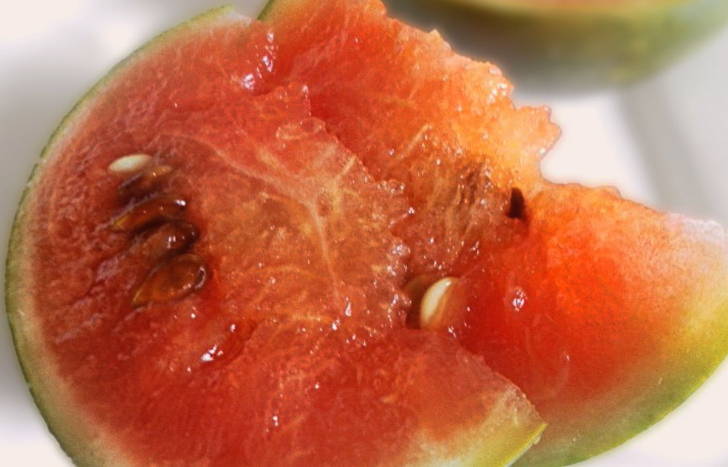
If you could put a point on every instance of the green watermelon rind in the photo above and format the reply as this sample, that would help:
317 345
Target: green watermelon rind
678 386
697 348
62 425
531 7
75 436
571 48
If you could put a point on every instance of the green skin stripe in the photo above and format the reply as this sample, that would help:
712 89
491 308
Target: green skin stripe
76 435
572 48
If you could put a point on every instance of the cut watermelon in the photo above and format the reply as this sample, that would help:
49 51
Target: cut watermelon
445 127
469 161
242 295
262 322
607 314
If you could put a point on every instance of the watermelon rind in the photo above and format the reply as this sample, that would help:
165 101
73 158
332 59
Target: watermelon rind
572 47
697 347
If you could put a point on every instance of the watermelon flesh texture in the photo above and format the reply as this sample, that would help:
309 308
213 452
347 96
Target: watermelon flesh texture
606 311
295 350
454 137
414 111
625 308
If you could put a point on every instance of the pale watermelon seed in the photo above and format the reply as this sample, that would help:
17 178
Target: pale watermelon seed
129 164
433 300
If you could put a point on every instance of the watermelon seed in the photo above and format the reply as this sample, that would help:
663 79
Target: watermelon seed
170 237
415 290
149 212
129 164
517 208
172 280
144 182
433 302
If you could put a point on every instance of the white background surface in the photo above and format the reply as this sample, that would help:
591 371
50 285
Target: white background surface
664 142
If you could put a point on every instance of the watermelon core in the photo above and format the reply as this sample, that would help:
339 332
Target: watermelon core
308 191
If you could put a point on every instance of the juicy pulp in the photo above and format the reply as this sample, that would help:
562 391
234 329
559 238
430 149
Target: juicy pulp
445 126
295 350
607 314
330 157
450 133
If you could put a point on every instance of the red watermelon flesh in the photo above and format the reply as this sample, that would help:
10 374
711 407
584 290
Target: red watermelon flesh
415 111
604 327
321 301
605 311
294 351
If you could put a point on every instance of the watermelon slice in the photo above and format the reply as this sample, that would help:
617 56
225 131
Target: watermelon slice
482 213
240 291
237 298
585 314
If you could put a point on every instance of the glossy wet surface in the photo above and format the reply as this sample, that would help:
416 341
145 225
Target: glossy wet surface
278 332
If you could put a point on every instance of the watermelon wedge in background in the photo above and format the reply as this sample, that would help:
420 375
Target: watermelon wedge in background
573 45
319 189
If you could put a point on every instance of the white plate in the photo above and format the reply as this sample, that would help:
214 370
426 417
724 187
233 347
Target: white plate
663 142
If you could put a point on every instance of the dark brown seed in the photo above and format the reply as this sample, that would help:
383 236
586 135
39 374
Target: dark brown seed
517 208
172 280
144 182
148 212
170 237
